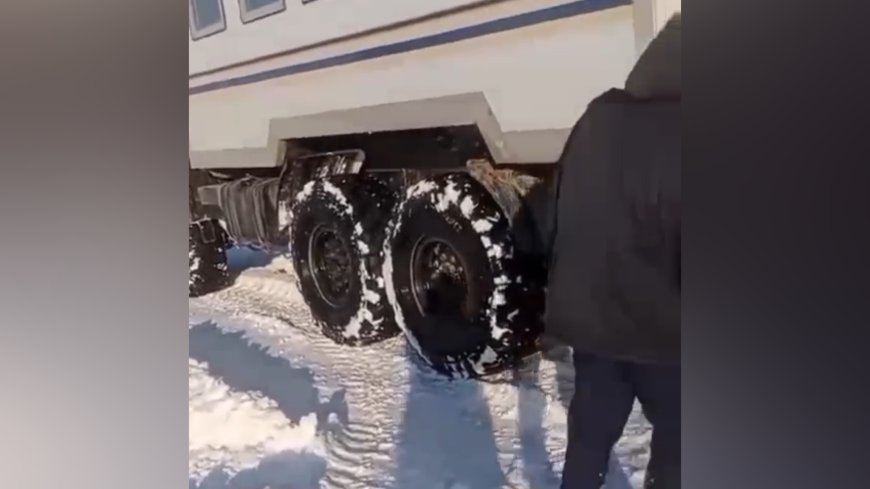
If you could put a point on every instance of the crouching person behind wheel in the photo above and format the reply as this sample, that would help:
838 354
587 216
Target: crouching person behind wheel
614 287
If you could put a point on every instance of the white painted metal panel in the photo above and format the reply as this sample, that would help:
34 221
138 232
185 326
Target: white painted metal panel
533 82
301 25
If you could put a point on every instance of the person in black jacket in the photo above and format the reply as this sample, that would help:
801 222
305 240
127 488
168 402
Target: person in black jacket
614 285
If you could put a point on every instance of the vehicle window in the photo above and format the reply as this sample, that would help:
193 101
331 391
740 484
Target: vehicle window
206 18
256 9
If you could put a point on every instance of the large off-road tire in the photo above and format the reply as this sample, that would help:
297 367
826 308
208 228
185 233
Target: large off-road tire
336 233
464 298
207 257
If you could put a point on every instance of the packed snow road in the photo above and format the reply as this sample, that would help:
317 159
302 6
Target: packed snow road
273 404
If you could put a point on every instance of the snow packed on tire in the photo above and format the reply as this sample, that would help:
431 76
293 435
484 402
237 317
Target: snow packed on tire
512 328
355 198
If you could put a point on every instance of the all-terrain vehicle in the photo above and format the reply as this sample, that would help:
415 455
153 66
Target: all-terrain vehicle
398 152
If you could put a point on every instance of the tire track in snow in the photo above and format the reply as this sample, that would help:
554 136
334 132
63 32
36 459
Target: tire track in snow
526 414
233 433
373 378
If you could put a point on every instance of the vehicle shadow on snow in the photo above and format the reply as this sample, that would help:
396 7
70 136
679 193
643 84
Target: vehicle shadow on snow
446 435
447 432
287 470
246 367
539 471
241 258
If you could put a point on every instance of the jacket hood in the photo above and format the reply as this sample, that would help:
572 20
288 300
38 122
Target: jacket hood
658 72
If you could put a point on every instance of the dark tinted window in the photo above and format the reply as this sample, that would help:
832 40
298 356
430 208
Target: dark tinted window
206 17
255 9
252 4
207 13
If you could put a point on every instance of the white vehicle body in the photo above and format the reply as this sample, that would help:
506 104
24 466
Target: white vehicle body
523 71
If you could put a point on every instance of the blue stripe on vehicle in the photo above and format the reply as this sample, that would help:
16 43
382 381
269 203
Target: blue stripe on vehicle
491 27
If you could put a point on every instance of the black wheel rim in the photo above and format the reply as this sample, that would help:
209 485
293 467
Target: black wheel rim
439 280
329 261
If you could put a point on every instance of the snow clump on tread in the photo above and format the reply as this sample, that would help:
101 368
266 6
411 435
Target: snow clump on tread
363 325
459 191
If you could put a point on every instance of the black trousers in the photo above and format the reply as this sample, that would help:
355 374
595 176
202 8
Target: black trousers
604 394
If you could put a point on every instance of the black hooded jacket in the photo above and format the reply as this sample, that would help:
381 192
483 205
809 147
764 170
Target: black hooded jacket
614 277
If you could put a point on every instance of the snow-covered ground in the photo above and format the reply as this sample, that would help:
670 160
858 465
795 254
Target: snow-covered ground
275 405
